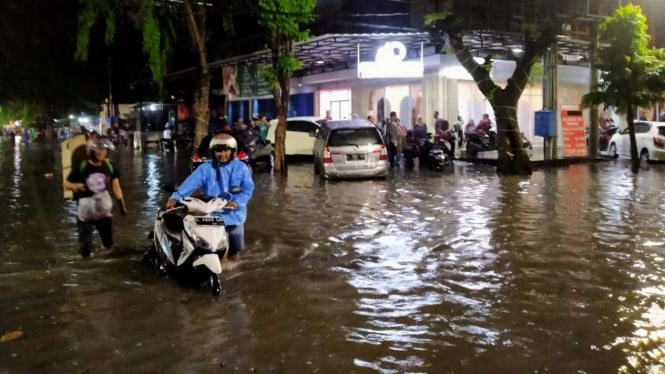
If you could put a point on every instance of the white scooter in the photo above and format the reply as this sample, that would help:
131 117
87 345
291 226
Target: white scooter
190 241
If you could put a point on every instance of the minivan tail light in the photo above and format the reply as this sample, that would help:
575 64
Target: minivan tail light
327 158
383 154
658 141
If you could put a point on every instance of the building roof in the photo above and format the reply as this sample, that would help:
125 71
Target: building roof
334 52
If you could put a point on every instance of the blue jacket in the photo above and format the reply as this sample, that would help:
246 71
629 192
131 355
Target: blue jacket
233 174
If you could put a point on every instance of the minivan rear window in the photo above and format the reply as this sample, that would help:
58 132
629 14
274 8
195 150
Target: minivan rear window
364 136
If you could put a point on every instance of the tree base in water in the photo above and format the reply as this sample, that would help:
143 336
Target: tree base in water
518 164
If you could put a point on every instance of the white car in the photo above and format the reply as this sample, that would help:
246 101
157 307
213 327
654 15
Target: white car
300 134
650 138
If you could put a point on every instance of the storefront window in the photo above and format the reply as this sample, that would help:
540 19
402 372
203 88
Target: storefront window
338 102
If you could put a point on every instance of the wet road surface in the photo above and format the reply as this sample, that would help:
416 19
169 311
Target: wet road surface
465 272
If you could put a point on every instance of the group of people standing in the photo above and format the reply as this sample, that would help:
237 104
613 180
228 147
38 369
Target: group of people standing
260 125
397 135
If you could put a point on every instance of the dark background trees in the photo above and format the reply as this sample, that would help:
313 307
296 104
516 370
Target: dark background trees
39 76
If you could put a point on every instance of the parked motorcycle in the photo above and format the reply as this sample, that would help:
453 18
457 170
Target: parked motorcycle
190 241
480 142
252 150
436 155
605 136
258 153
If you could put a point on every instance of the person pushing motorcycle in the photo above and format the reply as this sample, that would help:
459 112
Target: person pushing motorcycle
224 177
92 181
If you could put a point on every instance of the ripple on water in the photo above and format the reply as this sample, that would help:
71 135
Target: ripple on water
461 272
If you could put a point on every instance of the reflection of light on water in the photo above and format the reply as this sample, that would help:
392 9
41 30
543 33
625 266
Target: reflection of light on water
645 349
399 258
17 176
152 176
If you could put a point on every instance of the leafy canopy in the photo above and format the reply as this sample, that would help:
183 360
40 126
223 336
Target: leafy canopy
631 73
283 20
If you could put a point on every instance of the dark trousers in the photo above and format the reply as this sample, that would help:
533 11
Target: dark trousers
392 154
104 228
236 234
452 148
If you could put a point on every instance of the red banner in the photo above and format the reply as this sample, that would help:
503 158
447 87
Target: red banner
572 129
185 112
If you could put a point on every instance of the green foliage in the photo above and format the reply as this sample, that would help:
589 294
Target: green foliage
14 110
286 17
283 20
631 74
152 38
537 72
90 12
285 66
158 30
432 18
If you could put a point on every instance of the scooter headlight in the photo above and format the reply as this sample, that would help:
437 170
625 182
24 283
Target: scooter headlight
198 242
222 245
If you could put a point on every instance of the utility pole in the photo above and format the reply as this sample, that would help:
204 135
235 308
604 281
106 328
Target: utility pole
593 86
550 96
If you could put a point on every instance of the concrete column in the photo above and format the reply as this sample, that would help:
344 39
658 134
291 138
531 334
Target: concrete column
433 97
452 101
440 94
360 101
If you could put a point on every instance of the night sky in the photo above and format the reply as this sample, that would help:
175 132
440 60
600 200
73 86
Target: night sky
38 39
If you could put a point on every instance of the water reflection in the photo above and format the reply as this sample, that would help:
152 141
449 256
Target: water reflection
17 175
560 272
153 178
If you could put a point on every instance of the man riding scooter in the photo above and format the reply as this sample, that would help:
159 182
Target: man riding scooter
224 176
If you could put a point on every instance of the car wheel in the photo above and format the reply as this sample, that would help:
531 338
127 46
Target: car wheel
613 150
644 156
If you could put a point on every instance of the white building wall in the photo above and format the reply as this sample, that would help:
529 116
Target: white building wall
449 89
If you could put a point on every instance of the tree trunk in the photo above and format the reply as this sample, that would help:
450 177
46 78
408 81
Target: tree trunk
634 157
202 109
281 46
282 102
513 158
197 30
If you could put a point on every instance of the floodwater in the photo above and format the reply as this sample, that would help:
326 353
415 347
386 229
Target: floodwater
465 272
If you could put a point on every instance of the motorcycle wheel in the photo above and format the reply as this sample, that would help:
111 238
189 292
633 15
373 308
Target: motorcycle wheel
613 151
150 256
215 284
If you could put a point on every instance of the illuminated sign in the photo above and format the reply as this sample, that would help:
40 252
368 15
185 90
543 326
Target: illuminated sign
389 63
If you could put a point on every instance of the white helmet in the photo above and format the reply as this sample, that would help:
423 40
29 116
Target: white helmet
100 143
222 141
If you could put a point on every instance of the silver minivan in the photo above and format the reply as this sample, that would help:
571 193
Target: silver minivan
350 149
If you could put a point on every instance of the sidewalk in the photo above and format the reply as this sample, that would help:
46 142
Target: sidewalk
535 154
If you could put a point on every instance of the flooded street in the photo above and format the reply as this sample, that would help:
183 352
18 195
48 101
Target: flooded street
465 272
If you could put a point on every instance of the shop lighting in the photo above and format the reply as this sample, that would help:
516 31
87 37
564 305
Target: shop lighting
389 63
